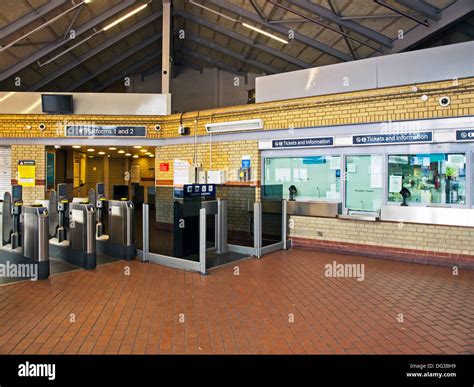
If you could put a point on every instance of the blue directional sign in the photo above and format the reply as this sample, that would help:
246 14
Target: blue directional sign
303 142
392 138
465 135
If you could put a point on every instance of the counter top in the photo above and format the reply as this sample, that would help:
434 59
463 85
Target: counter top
449 216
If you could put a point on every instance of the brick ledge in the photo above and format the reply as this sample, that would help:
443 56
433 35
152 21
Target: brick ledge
387 252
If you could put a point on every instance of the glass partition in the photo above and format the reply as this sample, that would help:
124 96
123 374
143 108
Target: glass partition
364 183
271 214
314 177
435 178
161 222
240 201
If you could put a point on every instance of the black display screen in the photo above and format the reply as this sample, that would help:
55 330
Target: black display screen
57 104
17 192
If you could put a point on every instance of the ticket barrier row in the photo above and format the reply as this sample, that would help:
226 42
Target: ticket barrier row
69 231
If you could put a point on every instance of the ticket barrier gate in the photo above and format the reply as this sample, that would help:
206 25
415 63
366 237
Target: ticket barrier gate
119 216
73 231
25 236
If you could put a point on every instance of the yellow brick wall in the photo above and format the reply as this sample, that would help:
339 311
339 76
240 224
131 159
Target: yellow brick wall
444 239
218 156
38 154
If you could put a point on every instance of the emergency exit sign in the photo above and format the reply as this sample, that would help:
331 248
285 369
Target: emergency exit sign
164 167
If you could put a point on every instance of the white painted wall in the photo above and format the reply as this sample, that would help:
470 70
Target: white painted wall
192 90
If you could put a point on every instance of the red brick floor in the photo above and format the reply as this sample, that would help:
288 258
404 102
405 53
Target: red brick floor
245 313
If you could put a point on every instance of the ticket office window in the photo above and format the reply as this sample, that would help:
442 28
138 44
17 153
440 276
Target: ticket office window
431 179
315 177
363 178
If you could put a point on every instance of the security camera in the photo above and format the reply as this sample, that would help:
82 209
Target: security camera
444 101
42 126
157 128
183 130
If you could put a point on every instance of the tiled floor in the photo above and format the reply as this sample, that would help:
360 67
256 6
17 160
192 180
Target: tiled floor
161 310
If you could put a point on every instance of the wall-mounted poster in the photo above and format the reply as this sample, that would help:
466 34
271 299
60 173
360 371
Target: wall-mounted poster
26 173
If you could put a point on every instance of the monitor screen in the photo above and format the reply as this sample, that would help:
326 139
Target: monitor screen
57 103
17 191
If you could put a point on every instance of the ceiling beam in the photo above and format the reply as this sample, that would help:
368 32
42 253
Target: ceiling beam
282 30
347 24
128 71
454 12
423 8
220 65
30 18
115 61
266 68
243 39
91 53
52 47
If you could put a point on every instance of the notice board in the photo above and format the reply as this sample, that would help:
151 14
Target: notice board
26 173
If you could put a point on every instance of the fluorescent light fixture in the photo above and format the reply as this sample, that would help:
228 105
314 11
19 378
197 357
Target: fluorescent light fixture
137 146
235 126
152 155
112 148
57 147
77 146
238 21
121 152
265 33
91 150
143 150
128 154
135 156
101 153
124 17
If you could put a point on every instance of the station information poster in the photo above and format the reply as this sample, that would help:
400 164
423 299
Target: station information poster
50 170
26 173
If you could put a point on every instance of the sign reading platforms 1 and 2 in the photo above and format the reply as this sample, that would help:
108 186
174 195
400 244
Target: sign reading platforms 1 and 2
392 138
303 142
105 131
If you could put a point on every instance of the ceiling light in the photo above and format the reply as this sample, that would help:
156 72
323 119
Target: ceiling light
91 150
143 150
151 155
91 157
57 147
246 25
101 153
76 146
137 146
136 156
121 152
128 154
264 33
112 148
121 19
234 126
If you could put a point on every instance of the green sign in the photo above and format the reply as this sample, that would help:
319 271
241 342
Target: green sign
50 170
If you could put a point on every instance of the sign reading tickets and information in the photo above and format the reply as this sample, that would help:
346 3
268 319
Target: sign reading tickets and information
392 138
303 142
26 173
465 135
105 131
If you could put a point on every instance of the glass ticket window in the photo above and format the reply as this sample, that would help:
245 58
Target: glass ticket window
314 177
364 183
436 178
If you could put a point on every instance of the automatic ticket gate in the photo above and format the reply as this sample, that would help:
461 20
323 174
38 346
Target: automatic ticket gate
186 212
73 231
118 216
25 236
